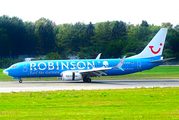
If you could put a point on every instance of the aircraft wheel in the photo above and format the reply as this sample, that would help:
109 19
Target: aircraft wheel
88 80
20 81
84 79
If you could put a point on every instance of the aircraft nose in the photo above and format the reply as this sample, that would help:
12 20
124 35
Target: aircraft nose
6 72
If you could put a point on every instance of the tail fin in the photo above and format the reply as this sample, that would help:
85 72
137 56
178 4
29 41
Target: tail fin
155 46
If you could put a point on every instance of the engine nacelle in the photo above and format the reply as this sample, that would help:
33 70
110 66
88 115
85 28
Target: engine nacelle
68 75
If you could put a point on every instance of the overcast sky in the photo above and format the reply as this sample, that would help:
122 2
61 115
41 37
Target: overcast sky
72 11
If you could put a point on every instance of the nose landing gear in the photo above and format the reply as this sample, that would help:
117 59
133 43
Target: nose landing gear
20 81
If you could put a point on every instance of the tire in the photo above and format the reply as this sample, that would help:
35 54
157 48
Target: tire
88 80
84 79
20 81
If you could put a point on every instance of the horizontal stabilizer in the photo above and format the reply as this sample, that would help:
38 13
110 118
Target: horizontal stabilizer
155 46
162 60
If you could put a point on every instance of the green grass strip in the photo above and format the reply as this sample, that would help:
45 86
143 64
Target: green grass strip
135 104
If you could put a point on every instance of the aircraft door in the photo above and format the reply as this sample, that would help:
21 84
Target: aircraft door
24 67
138 65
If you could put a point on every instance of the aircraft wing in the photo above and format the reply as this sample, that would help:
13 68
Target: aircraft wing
101 71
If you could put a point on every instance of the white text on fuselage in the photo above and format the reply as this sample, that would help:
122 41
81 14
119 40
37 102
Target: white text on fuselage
61 65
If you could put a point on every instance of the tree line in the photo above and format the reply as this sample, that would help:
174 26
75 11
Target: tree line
113 39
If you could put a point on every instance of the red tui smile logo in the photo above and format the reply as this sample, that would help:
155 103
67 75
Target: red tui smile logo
155 52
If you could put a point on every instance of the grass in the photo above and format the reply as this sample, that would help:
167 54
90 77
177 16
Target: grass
138 103
161 72
143 103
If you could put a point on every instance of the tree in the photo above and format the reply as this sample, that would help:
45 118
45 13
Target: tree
30 38
113 39
177 27
44 33
114 49
172 43
78 36
119 30
167 25
103 34
63 39
4 43
89 34
52 56
143 32
144 23
14 30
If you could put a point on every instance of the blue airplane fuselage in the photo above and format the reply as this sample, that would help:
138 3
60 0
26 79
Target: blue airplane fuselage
53 68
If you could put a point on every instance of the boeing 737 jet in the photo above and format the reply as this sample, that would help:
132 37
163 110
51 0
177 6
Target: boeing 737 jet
71 70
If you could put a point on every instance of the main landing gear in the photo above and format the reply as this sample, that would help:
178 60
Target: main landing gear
20 81
86 80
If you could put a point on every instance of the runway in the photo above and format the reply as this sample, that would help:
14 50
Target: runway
15 86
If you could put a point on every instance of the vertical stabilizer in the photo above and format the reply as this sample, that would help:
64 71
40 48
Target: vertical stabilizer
155 46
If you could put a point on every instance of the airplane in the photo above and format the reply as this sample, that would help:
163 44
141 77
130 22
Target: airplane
72 70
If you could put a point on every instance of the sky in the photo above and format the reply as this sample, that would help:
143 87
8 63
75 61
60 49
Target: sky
71 11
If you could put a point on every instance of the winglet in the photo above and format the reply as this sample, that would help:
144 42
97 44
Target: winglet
98 57
121 68
119 65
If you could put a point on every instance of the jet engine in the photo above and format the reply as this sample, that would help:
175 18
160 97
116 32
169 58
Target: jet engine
68 75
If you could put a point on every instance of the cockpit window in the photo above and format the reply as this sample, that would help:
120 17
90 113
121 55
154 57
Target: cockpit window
13 67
